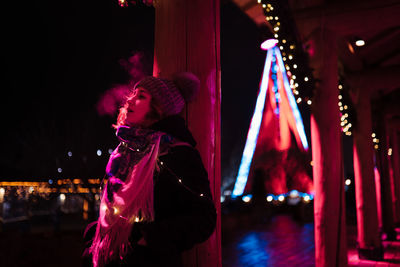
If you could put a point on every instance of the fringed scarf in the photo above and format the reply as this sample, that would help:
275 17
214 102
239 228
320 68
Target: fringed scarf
128 195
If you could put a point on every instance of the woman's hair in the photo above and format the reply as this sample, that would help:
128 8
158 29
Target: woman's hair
154 115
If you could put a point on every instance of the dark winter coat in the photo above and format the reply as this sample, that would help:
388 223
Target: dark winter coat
184 211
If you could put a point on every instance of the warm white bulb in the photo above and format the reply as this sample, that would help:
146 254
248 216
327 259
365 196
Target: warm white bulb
360 42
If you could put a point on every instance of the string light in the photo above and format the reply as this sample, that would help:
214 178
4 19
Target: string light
286 43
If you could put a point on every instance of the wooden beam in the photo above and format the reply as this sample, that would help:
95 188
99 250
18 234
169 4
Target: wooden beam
383 79
252 9
353 17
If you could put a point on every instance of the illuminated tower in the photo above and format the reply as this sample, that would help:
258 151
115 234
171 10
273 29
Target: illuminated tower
275 116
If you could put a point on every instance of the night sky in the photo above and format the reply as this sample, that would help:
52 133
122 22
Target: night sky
61 57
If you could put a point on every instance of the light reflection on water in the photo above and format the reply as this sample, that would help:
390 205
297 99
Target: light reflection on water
282 242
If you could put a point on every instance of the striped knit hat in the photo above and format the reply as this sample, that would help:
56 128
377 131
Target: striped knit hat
171 95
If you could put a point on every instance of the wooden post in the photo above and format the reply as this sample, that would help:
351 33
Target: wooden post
394 162
187 39
329 208
369 242
388 226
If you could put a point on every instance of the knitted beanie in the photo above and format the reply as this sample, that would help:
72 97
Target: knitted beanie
171 95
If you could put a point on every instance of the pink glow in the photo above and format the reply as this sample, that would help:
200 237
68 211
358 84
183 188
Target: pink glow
112 99
268 44
378 194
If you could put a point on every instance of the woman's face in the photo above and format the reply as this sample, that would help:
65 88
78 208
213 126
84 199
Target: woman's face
139 105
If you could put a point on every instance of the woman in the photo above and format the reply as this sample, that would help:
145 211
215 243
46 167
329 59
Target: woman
157 200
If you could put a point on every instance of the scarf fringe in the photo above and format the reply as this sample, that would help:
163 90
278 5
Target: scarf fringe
133 202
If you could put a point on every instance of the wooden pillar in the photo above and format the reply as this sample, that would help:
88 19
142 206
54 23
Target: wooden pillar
329 208
369 242
388 226
395 177
187 39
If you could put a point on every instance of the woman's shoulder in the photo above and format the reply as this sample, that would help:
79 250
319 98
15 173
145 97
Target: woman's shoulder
184 152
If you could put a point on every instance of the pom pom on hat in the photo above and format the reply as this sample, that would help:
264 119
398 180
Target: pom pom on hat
172 94
188 85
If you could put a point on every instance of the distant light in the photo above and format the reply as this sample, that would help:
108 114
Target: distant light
360 42
59 170
50 181
376 146
276 18
98 152
270 198
110 151
294 193
373 135
298 100
281 198
295 66
347 182
390 151
268 44
306 79
137 219
309 102
222 199
96 197
2 191
306 198
69 154
340 87
62 197
246 198
351 49
227 192
312 163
